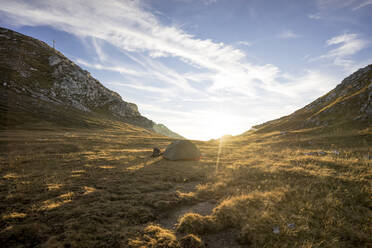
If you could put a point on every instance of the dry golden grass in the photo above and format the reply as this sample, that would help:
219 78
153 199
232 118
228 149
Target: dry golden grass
101 188
279 197
85 188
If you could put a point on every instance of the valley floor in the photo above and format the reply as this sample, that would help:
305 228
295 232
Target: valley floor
101 188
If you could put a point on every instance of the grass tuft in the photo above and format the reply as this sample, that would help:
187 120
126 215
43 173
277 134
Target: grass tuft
196 224
191 241
156 237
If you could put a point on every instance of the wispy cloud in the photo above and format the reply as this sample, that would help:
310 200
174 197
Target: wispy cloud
207 2
334 3
363 4
153 71
307 85
333 17
142 87
101 55
347 45
288 34
316 16
339 11
119 69
337 4
245 43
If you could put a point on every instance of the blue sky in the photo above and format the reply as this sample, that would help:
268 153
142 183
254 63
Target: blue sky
206 68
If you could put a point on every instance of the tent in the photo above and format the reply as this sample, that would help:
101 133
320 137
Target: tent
182 150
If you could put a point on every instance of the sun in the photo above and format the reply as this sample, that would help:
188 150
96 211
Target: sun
218 125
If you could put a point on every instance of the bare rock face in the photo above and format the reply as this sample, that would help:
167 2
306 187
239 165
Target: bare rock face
79 89
30 68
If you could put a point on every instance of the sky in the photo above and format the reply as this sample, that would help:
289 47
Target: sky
206 68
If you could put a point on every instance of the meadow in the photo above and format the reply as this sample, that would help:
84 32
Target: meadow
66 187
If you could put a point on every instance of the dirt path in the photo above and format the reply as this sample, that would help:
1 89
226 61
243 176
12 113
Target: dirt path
170 220
226 238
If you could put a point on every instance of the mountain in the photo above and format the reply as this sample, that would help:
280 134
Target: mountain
348 105
38 83
162 129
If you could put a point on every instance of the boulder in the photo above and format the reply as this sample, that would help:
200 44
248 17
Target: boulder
182 150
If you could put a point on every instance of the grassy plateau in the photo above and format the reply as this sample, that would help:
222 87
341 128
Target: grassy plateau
68 187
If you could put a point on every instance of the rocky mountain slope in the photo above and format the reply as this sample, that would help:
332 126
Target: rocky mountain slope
347 105
162 129
40 82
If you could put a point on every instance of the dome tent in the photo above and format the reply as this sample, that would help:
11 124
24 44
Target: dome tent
182 150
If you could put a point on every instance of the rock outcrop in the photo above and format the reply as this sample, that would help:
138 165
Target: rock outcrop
31 68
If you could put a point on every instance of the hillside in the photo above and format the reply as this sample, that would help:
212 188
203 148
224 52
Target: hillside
348 105
39 83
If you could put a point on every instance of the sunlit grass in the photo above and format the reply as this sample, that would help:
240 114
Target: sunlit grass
11 176
52 186
14 215
89 190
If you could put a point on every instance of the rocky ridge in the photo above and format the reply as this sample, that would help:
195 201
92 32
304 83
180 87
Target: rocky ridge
31 68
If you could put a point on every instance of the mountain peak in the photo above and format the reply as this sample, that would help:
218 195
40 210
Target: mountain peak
32 69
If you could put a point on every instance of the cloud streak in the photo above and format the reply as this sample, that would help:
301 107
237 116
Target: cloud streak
245 43
334 3
347 45
363 4
350 4
288 34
